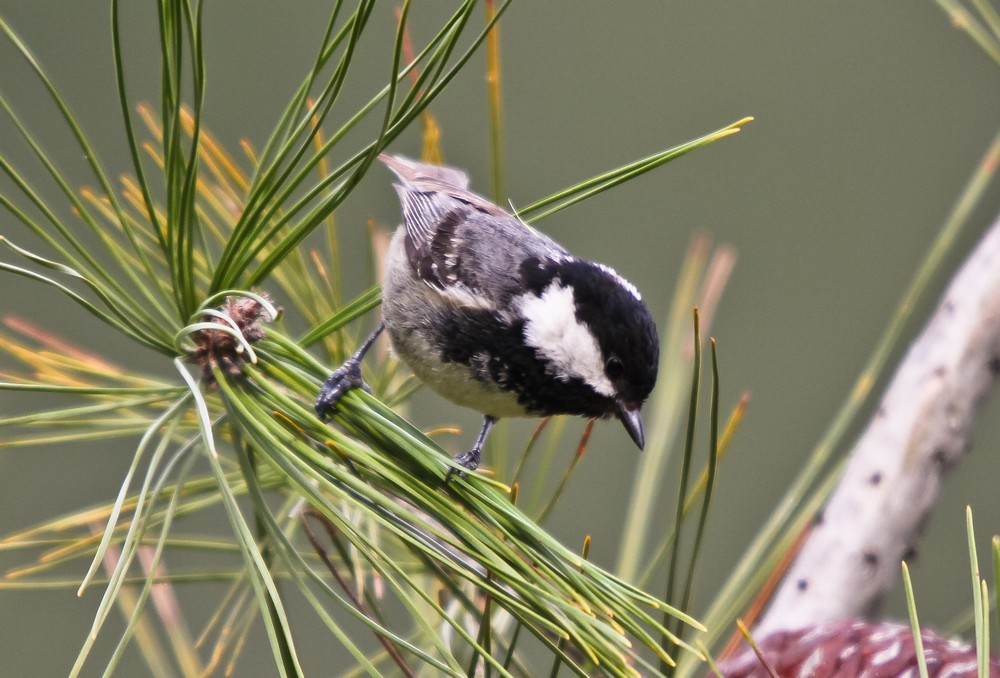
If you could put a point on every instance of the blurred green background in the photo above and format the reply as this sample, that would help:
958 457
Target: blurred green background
870 117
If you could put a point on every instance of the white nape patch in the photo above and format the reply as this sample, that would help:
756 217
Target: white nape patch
552 328
621 281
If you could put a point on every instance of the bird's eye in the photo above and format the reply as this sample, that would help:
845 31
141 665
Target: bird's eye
613 367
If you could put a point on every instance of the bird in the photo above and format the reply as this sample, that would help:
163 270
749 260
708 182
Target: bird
495 316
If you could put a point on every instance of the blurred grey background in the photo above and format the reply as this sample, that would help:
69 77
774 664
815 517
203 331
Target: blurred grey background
870 117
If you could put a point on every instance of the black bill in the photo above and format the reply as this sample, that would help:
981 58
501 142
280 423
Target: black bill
632 421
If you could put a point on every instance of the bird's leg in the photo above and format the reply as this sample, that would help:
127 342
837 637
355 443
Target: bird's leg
345 377
470 460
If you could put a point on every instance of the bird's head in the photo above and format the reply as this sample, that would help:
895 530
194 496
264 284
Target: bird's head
596 336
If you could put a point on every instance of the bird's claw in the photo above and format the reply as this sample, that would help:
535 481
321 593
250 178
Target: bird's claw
467 460
343 379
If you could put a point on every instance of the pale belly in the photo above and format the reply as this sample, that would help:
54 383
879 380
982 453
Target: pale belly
454 381
413 339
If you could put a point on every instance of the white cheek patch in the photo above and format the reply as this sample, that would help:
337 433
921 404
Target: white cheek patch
551 327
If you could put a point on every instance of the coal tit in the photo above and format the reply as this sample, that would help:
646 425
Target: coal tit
495 316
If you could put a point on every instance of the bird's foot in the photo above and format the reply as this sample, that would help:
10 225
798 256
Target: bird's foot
343 379
467 460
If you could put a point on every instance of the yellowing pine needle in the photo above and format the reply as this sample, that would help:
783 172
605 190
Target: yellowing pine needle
494 99
61 347
249 152
226 171
151 120
430 151
443 430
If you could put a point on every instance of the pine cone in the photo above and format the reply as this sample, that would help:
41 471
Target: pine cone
852 648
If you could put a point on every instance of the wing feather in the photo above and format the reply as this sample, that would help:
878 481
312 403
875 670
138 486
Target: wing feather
435 201
462 245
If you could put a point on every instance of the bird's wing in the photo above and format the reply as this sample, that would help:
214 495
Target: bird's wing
438 209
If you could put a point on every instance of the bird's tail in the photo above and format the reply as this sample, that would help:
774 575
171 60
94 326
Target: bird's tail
411 171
